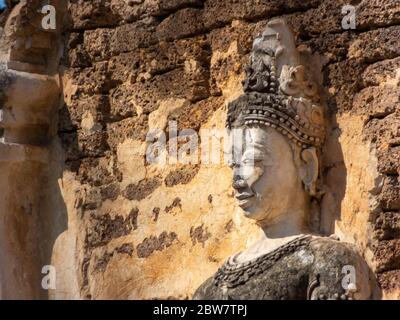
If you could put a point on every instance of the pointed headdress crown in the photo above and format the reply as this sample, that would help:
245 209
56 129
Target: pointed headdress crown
279 90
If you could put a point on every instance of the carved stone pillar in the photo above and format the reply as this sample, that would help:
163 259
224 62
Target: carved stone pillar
29 98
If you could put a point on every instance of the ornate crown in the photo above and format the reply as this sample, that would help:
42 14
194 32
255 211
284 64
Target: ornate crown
279 90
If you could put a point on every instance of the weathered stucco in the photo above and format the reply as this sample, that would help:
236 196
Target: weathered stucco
115 226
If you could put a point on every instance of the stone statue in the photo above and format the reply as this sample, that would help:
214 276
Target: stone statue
276 181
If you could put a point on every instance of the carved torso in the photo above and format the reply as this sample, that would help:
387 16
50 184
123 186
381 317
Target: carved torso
305 268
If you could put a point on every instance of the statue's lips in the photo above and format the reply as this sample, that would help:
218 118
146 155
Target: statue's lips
245 199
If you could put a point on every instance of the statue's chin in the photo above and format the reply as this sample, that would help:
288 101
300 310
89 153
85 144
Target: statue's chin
251 209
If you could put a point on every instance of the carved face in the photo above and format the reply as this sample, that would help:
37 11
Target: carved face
265 176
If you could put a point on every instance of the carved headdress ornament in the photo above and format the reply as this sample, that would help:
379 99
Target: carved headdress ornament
280 91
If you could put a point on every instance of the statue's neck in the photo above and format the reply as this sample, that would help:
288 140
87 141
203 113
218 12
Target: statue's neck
278 231
288 224
284 229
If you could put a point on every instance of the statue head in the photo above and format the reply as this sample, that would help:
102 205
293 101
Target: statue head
277 129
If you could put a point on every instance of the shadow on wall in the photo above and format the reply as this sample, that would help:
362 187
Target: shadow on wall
334 175
335 179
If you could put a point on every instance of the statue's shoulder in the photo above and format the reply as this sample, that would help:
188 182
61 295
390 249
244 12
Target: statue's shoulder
329 247
207 291
339 271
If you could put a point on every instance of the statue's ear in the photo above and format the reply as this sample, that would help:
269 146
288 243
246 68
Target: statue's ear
310 170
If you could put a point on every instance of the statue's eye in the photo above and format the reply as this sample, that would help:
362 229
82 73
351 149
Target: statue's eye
231 164
252 161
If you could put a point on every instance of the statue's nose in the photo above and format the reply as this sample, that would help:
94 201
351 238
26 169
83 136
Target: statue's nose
239 183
